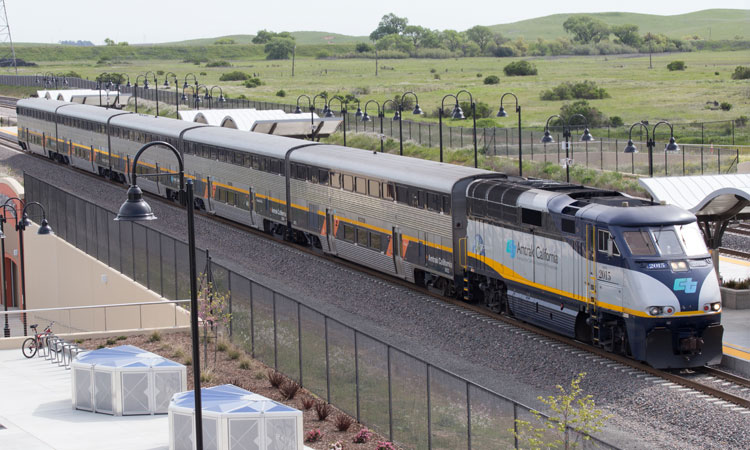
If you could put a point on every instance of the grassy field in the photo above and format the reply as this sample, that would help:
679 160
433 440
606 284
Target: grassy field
636 93
707 24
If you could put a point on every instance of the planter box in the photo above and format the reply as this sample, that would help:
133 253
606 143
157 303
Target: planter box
735 298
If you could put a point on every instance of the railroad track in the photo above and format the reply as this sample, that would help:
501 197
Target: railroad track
729 251
8 102
730 393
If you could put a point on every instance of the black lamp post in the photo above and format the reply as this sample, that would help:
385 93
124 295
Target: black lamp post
156 89
651 142
222 99
298 110
417 110
135 89
64 78
502 113
197 97
49 79
38 80
6 330
357 115
456 114
474 119
134 209
99 80
312 111
342 109
176 91
21 226
185 85
381 114
118 81
585 137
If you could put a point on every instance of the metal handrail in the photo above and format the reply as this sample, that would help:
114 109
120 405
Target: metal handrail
113 305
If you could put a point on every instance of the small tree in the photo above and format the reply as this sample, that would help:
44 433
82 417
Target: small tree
571 410
213 311
741 73
279 48
520 68
676 65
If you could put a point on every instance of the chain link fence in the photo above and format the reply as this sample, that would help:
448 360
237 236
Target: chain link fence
413 402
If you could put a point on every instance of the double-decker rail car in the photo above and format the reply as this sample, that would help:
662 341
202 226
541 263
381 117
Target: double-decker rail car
621 273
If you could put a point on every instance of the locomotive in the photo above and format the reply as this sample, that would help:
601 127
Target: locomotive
621 273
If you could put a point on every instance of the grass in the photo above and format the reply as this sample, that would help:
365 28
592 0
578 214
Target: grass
637 93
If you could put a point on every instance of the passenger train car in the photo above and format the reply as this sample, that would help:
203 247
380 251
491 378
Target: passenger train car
624 274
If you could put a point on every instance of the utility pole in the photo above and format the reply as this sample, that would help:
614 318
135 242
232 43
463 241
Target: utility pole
5 37
294 52
376 62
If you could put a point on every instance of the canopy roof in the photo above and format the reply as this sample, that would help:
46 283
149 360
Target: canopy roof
124 356
274 121
709 197
230 399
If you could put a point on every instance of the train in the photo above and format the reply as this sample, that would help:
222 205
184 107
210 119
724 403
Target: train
621 273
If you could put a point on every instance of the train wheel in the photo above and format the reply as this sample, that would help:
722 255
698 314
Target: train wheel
583 329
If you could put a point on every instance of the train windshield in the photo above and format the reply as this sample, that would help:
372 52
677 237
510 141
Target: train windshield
666 240
692 239
639 243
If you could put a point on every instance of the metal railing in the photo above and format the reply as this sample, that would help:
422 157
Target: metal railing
404 397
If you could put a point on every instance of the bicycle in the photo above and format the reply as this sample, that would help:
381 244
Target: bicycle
33 344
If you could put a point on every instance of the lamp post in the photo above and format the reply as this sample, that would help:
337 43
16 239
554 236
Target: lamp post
366 118
6 330
197 97
176 91
312 111
357 115
156 89
185 85
456 114
503 113
21 226
474 120
49 80
298 110
585 137
222 99
135 89
118 81
342 109
99 80
417 110
651 142
135 208
37 80
64 78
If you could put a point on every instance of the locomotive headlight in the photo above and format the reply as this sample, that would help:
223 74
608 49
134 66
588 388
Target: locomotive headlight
678 266
716 306
654 310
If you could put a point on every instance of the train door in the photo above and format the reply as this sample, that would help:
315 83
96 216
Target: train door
396 249
330 230
608 269
201 189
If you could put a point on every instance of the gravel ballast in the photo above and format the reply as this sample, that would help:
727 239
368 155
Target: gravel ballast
519 365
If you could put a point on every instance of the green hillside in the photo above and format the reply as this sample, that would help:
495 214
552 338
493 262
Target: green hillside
302 38
720 23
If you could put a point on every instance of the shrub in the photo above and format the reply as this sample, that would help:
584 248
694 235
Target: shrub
322 410
178 354
676 65
203 74
207 376
520 68
737 284
363 47
384 445
121 338
222 346
595 117
188 361
281 93
716 73
218 64
569 91
252 82
275 378
741 73
479 75
313 435
233 354
741 121
111 341
363 436
155 337
725 106
491 79
482 108
342 422
616 121
436 76
160 72
308 402
289 389
244 363
234 76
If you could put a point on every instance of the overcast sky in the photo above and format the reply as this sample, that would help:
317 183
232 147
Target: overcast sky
141 21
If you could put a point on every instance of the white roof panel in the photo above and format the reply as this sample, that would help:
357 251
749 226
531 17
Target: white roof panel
702 195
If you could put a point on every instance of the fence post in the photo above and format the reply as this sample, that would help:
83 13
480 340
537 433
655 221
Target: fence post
429 136
328 366
683 163
390 396
356 372
468 414
299 340
718 159
632 163
275 338
617 169
515 424
429 410
601 152
701 158
252 311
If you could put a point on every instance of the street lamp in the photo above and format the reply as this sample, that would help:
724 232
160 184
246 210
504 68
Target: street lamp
312 111
135 89
222 99
503 113
342 109
651 143
50 80
298 110
176 91
118 81
585 137
456 114
417 110
99 80
156 89
134 209
381 114
64 78
474 119
21 226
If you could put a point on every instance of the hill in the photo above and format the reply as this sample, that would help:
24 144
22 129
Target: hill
302 38
715 24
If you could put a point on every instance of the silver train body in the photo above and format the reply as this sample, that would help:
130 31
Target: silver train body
561 256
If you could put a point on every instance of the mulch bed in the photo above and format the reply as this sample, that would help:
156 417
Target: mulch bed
254 378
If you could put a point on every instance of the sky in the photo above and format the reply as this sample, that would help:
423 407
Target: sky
153 21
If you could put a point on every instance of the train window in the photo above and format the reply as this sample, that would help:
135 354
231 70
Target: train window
389 191
300 173
256 162
402 194
323 177
238 158
446 204
531 217
433 202
603 242
414 197
313 174
360 185
568 226
348 183
639 243
375 241
231 197
348 233
247 161
374 188
282 167
336 180
265 165
362 237
667 242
